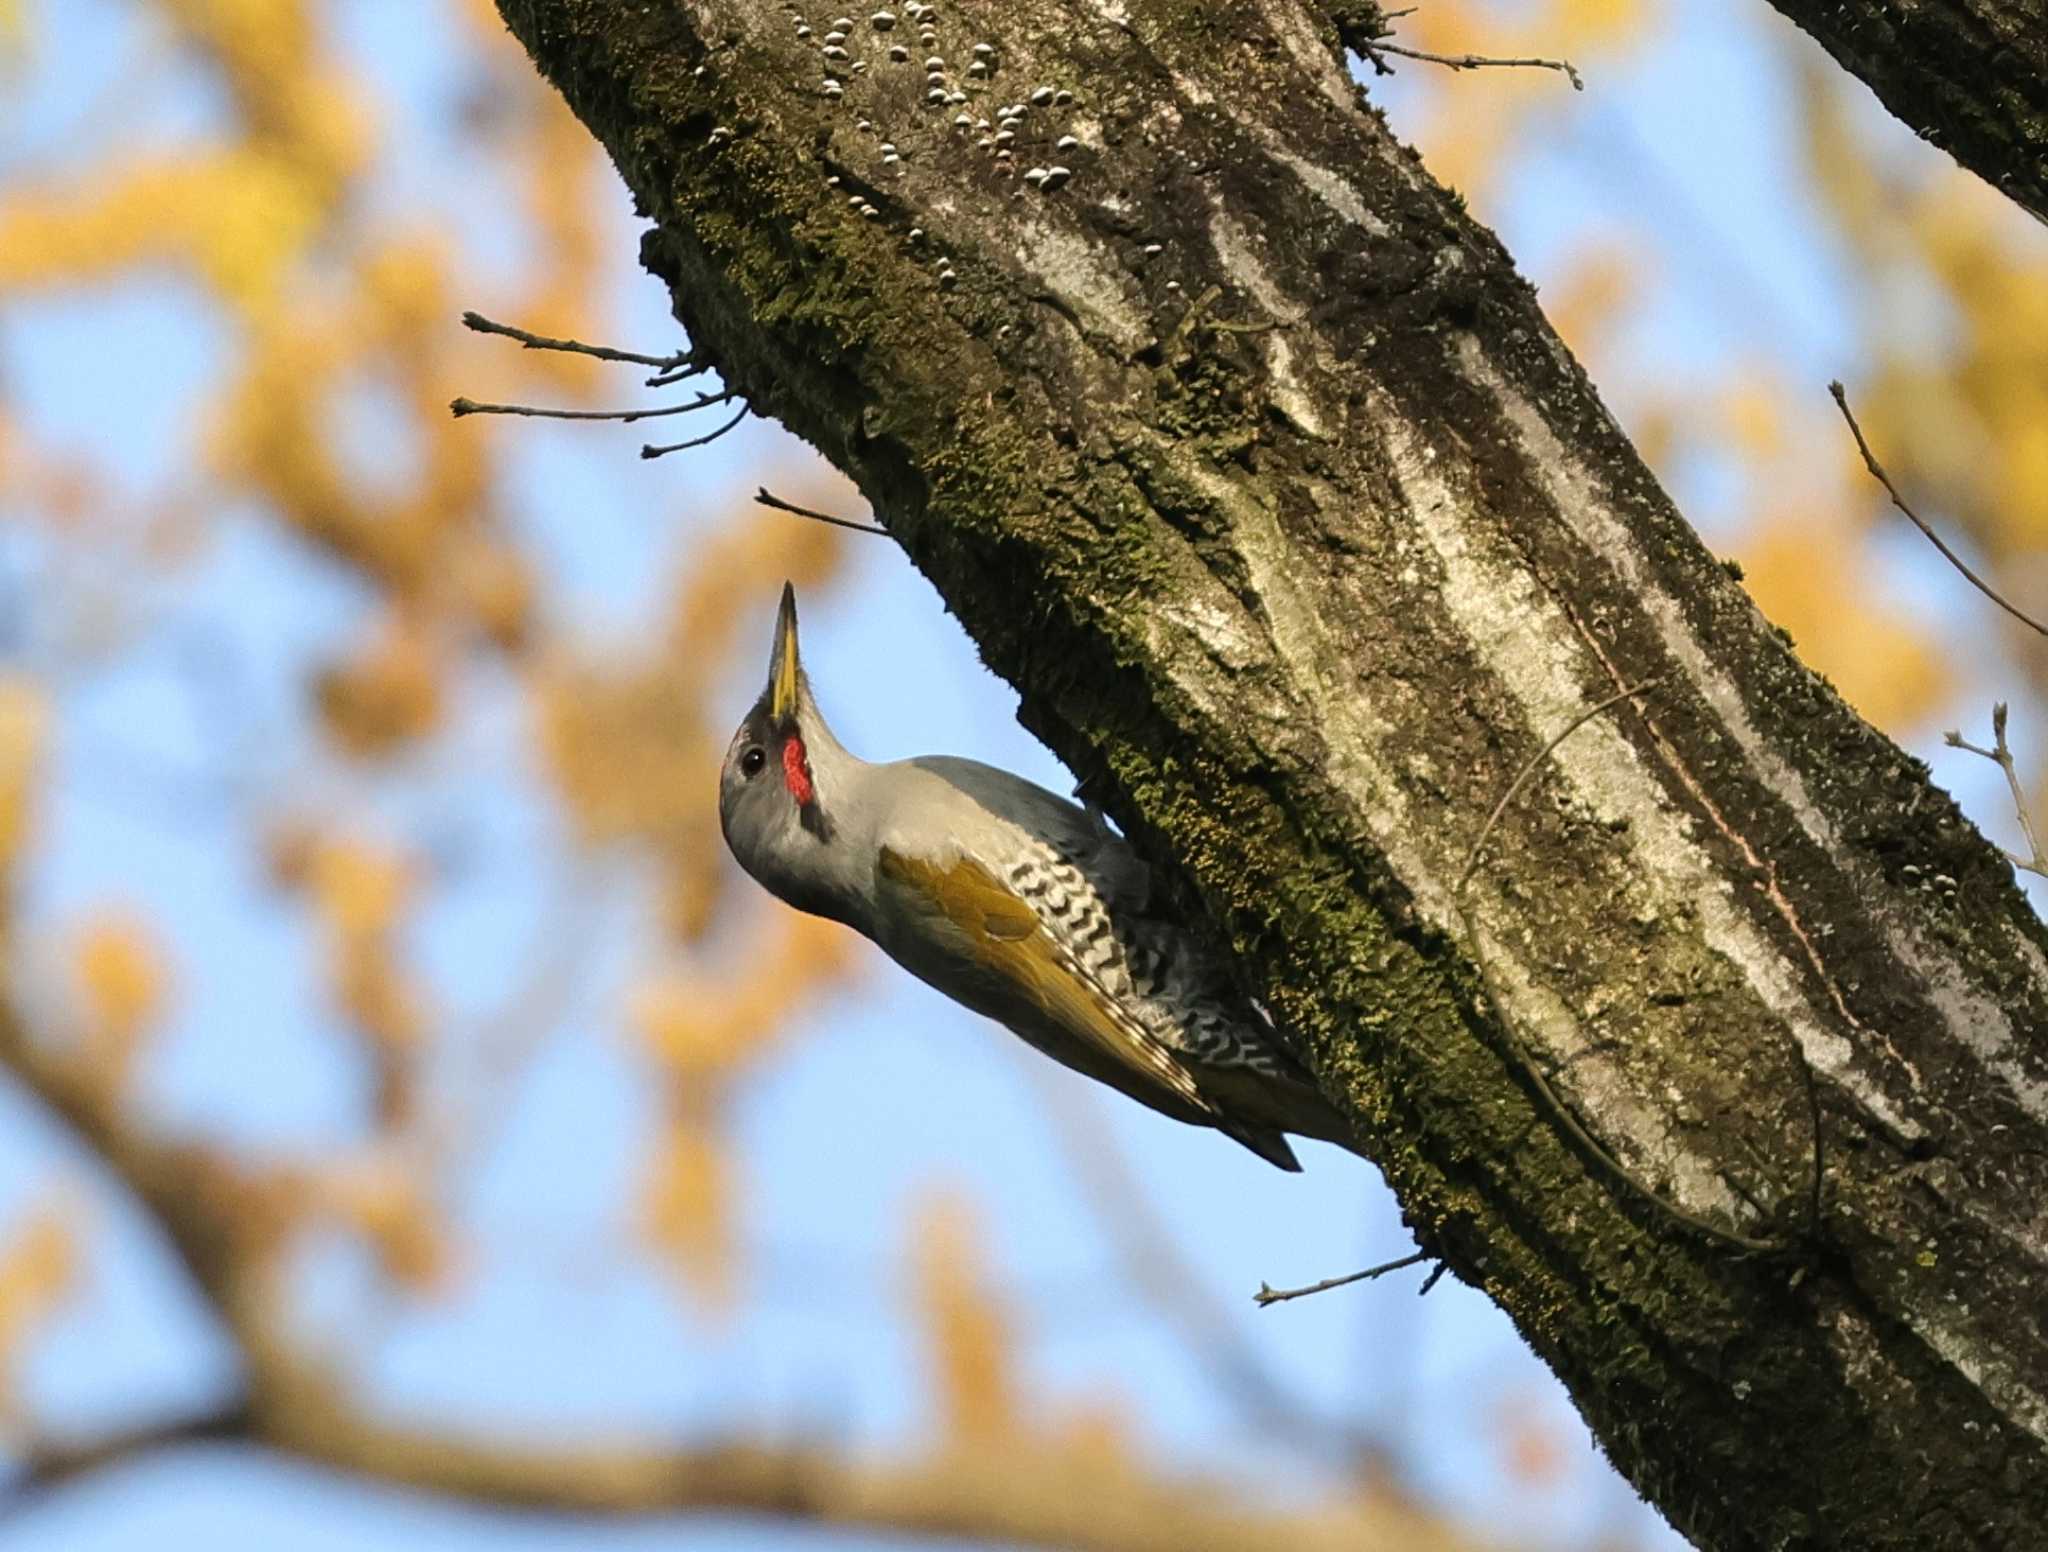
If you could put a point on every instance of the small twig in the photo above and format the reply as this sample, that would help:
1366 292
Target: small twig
668 363
678 374
1552 1100
461 407
1373 51
767 498
649 450
1268 1294
2000 754
1529 768
1877 472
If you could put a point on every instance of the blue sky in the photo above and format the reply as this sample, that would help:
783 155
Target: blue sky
1691 148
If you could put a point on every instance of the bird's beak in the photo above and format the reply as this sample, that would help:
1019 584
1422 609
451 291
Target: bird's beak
783 667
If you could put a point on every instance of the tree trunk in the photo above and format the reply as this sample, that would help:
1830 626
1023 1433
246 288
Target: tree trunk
1969 75
1244 453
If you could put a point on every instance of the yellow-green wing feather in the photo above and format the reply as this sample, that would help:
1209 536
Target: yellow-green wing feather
1006 934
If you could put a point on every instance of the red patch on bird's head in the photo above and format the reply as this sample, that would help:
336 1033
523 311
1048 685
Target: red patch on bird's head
796 771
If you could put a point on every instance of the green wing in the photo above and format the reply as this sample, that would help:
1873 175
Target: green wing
1004 933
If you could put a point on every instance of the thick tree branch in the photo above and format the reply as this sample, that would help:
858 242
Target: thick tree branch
1969 75
1301 601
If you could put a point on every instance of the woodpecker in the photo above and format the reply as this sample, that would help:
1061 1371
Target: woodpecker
1013 902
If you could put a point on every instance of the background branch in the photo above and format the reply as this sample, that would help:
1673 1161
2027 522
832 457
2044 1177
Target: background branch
1065 1500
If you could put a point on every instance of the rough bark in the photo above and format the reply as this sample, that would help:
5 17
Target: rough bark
1969 75
1301 534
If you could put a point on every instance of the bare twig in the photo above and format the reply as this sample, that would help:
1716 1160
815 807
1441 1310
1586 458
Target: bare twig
1529 768
1550 1097
768 498
688 369
461 407
668 363
1372 52
650 450
1877 472
2000 754
1271 1295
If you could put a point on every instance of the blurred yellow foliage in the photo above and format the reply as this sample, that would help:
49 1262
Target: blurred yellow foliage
123 984
629 747
670 1016
699 1032
970 1340
360 890
1810 574
627 751
332 303
1097 1438
1962 422
686 1208
704 1038
360 893
1472 126
390 692
1603 282
243 216
1753 416
491 584
39 1269
717 600
1603 23
24 721
377 997
240 218
382 1197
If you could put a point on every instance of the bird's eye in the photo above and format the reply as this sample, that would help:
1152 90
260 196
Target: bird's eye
753 760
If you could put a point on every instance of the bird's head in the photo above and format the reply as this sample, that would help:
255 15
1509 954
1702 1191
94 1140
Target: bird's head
775 793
